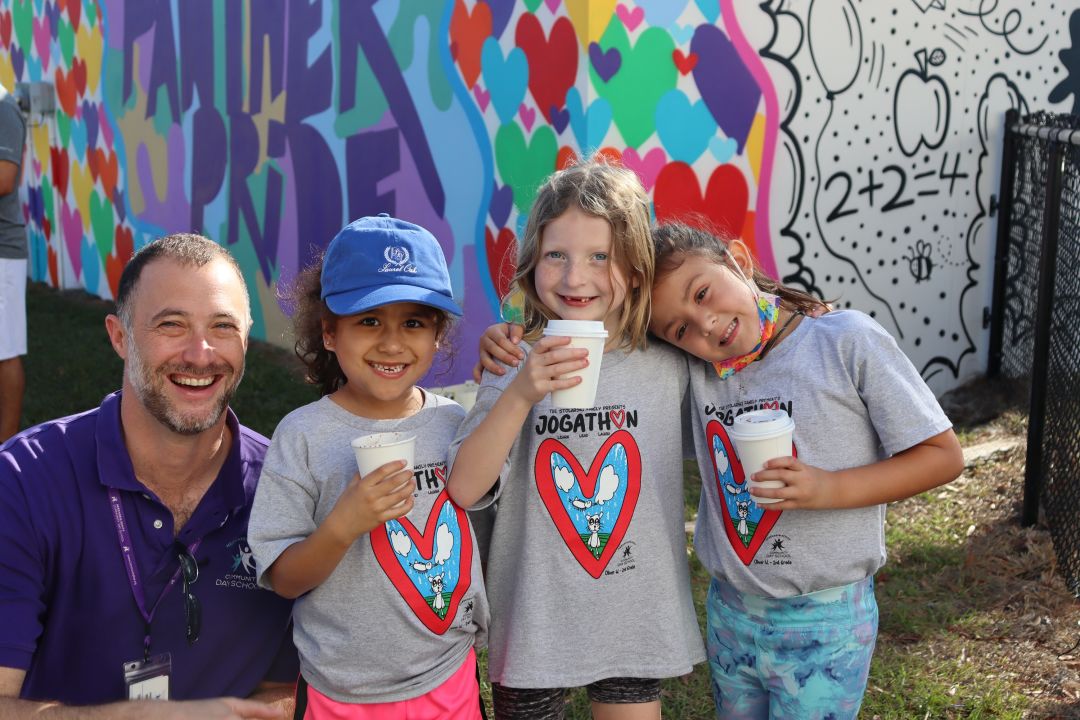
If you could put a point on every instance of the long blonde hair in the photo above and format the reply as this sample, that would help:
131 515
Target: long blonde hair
607 191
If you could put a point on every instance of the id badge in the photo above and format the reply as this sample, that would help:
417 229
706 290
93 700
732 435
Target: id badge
148 679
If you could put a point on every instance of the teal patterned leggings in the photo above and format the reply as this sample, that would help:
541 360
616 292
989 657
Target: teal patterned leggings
804 657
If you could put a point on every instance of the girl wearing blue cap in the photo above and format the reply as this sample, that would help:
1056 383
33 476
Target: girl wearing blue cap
385 570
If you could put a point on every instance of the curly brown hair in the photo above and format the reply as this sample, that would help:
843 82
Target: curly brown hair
310 319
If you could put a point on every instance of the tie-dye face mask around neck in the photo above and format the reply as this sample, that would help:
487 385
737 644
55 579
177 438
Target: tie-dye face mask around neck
768 312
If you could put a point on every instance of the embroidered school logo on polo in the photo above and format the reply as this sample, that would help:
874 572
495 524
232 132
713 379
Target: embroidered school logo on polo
397 260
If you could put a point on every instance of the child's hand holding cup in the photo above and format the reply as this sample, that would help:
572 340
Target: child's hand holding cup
760 436
375 450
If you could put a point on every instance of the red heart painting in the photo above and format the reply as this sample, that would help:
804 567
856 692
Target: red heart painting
467 35
677 196
558 507
424 543
501 258
553 60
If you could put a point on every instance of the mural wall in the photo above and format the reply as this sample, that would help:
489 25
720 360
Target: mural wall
853 144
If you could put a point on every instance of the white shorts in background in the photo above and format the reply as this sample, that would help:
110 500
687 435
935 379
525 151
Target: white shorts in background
12 308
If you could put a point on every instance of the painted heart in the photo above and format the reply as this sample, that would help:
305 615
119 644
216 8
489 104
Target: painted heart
74 10
645 74
617 417
647 167
506 78
553 60
90 117
725 83
591 510
501 12
91 267
468 31
108 171
723 149
684 63
524 165
18 61
42 40
527 115
684 127
102 224
483 97
89 46
746 523
58 163
22 19
78 72
54 269
501 256
677 196
630 18
71 226
65 37
559 119
5 29
590 126
682 33
78 139
590 18
552 5
431 570
52 12
123 249
66 92
605 62
502 199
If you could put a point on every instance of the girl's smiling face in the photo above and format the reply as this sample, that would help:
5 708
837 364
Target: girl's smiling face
706 309
576 277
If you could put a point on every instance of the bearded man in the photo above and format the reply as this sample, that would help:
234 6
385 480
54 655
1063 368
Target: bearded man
120 527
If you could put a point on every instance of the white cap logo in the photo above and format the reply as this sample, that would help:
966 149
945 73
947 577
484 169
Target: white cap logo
397 260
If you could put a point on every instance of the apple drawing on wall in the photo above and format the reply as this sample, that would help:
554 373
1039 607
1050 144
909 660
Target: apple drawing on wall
921 105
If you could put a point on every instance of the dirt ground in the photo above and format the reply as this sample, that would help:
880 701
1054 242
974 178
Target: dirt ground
1031 633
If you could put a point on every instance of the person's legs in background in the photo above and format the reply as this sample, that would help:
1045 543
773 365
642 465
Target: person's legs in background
12 344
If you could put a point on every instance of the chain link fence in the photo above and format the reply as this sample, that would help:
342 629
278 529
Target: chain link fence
1035 324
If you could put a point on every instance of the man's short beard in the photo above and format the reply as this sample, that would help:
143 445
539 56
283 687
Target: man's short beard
149 389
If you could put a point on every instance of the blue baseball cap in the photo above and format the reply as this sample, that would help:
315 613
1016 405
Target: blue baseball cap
380 260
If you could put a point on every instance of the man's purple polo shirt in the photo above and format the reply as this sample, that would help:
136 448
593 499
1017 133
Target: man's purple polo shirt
68 614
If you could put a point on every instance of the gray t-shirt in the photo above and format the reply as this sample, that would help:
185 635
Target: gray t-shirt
587 570
12 140
855 399
402 609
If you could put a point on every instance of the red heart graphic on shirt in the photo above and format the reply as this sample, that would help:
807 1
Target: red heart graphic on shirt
406 556
738 510
592 547
617 417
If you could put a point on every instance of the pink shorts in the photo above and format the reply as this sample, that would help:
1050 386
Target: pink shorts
458 698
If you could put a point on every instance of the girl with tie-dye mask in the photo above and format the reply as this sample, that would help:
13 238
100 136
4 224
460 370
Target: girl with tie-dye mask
792 618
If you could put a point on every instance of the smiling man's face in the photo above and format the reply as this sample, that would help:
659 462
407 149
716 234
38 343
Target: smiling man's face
184 354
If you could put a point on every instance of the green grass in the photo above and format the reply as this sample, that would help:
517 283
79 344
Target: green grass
71 366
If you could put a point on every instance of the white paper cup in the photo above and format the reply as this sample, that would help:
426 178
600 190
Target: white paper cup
759 436
375 450
589 334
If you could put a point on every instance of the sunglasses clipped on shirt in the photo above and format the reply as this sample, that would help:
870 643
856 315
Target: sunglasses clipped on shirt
189 569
